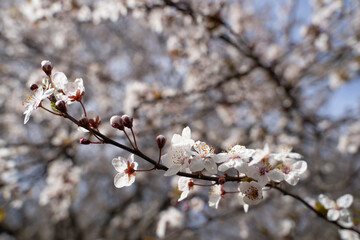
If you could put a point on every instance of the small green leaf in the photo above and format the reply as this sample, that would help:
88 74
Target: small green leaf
320 208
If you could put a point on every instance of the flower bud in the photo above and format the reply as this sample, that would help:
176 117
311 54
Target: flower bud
61 106
117 122
47 67
85 141
34 87
84 122
221 180
128 121
160 140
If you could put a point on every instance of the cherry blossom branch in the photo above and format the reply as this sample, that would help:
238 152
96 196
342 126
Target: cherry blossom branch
319 214
159 166
107 140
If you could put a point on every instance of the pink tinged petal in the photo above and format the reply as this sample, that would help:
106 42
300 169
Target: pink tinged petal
275 175
196 165
211 166
345 201
173 170
333 215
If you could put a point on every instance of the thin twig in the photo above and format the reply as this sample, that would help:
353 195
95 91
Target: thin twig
314 209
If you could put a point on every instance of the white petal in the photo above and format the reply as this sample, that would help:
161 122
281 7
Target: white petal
326 201
246 207
345 201
184 195
173 170
345 218
299 166
59 79
196 165
214 200
292 178
186 133
276 175
333 215
225 166
221 157
122 180
211 166
119 164
176 139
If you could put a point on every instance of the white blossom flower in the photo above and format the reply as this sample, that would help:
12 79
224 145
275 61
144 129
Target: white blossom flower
252 192
171 218
204 157
292 170
74 90
348 235
34 101
126 171
263 172
238 156
338 211
285 154
178 159
185 185
65 90
216 192
260 155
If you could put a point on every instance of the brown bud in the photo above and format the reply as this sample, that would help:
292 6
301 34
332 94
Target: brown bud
160 140
117 122
47 67
85 141
61 106
128 121
84 122
34 87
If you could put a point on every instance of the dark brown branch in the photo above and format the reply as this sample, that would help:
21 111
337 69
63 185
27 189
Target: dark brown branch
150 160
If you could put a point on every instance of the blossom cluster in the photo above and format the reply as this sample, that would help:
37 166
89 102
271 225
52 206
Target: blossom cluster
56 88
254 168
337 210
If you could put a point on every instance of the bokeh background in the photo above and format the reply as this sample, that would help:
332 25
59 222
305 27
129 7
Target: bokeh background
236 72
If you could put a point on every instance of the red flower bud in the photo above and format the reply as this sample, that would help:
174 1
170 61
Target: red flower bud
61 106
160 140
117 122
128 121
84 122
85 141
33 87
47 67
